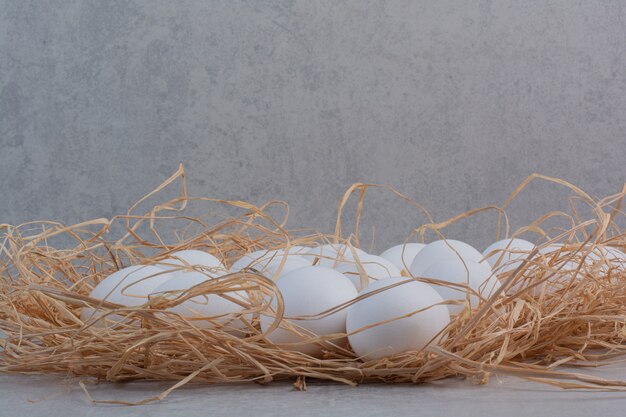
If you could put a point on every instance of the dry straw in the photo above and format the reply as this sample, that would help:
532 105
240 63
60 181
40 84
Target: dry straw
565 308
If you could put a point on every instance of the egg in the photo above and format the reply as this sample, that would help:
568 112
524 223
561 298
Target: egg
558 257
506 255
442 250
206 309
295 250
553 256
613 255
375 267
477 276
128 286
258 260
610 257
310 291
332 254
193 258
402 255
404 334
268 262
277 268
553 247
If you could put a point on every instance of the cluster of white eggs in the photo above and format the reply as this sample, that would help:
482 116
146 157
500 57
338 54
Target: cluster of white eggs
334 289
131 286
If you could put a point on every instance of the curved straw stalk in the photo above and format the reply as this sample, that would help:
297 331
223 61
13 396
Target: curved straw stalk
563 308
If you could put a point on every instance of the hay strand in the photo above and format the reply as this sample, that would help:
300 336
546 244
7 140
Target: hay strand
555 309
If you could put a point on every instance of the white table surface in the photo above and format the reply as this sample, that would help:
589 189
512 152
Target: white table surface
25 395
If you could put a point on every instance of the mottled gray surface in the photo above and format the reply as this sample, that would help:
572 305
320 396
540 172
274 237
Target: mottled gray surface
452 103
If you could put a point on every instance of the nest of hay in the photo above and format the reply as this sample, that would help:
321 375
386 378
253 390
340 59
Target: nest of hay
543 317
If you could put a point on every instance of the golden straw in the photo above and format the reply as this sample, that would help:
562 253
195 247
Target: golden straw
546 315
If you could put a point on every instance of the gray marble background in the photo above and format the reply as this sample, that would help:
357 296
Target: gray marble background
452 103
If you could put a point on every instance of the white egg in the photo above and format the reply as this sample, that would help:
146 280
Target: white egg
402 255
268 262
258 260
442 250
374 266
194 258
506 255
558 257
206 309
610 257
334 249
554 256
332 254
404 334
295 250
277 268
477 276
554 247
613 255
129 287
310 291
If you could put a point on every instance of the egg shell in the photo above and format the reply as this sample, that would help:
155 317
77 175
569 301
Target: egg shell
442 250
258 260
477 276
310 291
402 255
194 258
332 255
615 253
550 285
405 334
553 247
209 307
295 250
554 256
608 257
616 257
374 266
128 286
557 256
277 268
507 254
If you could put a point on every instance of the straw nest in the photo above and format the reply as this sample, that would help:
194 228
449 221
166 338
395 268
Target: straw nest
542 319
